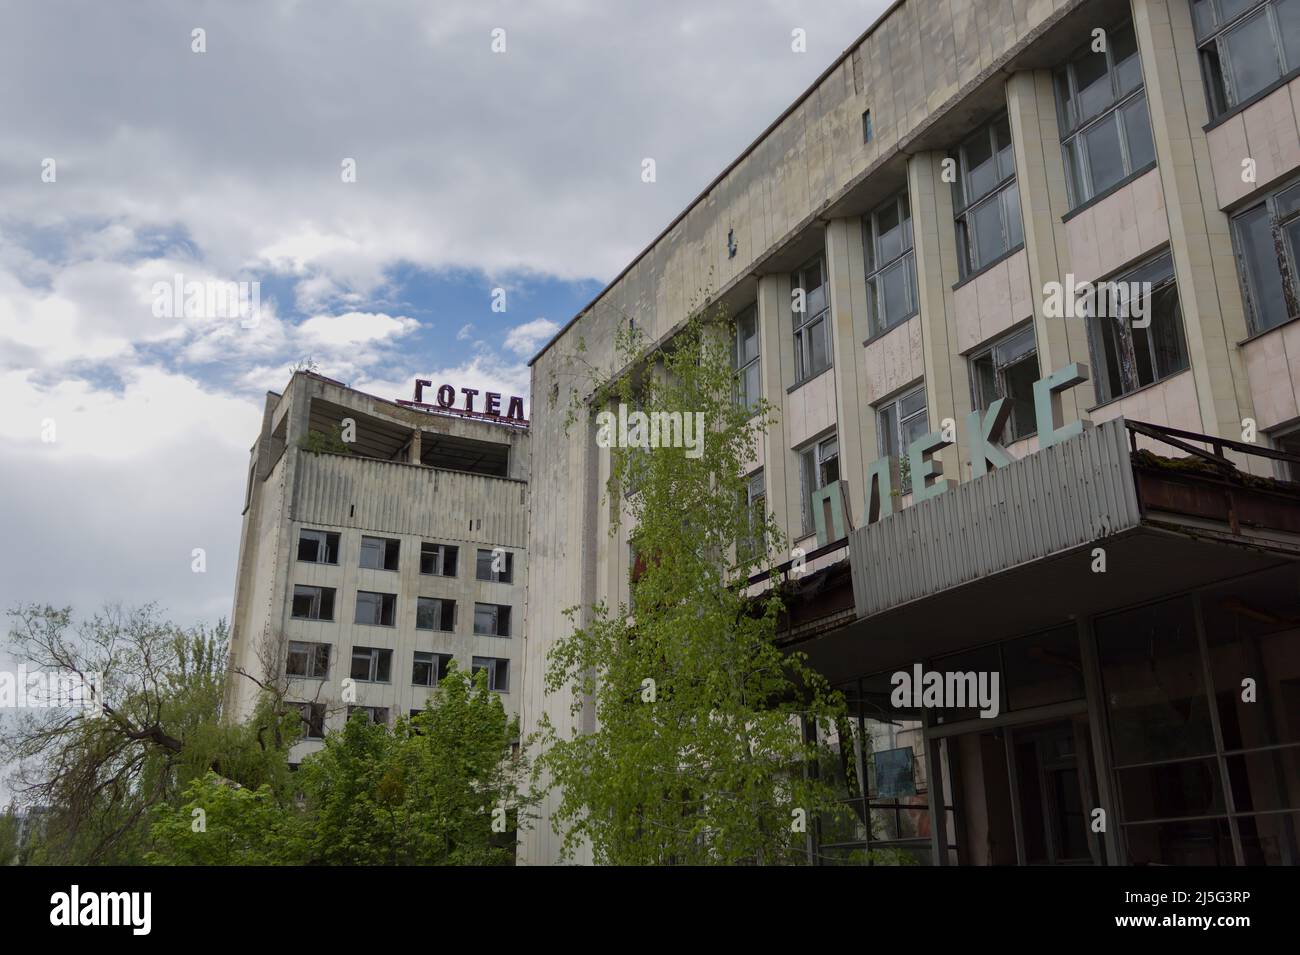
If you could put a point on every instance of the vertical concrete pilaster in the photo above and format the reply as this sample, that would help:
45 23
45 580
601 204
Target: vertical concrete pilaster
947 384
1044 199
855 422
1208 290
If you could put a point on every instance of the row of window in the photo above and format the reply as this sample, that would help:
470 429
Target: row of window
424 673
383 553
1128 357
311 661
380 610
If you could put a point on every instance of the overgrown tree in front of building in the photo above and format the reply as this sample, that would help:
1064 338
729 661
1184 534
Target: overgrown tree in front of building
698 754
152 725
442 788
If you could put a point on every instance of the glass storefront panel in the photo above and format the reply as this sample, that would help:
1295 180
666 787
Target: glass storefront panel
1043 668
1171 790
1186 842
1153 683
1270 839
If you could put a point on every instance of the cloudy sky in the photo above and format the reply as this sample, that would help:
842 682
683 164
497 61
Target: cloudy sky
124 435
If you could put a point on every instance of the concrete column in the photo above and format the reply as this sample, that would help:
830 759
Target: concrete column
947 383
1208 289
856 426
776 364
1040 174
415 447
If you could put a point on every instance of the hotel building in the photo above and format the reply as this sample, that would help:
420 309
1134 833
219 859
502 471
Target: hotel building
1133 583
381 541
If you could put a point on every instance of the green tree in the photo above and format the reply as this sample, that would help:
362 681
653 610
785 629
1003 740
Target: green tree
442 788
152 723
218 822
8 837
699 755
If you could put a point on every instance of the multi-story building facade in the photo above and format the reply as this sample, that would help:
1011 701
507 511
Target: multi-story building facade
381 541
936 196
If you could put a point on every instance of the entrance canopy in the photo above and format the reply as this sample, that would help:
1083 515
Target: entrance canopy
1089 525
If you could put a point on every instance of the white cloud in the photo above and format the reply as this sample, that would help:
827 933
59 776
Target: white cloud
466 332
524 340
353 328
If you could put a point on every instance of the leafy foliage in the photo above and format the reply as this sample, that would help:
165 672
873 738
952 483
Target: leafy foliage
698 756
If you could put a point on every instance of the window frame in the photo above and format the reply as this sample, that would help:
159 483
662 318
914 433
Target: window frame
496 619
1074 129
375 655
812 481
383 603
1126 352
323 545
804 322
1221 98
438 557
495 577
895 406
991 351
1288 272
876 266
371 711
312 651
755 543
438 664
442 603
318 602
391 548
743 397
480 663
313 714
963 206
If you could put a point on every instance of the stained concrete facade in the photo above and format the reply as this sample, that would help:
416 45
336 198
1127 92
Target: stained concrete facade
414 477
931 73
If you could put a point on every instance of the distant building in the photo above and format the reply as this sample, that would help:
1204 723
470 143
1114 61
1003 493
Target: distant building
368 564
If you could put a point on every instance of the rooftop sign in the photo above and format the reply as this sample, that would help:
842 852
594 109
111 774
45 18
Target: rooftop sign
446 400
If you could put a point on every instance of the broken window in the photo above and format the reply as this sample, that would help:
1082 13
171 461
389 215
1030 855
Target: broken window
435 613
1267 236
819 466
379 553
318 547
376 610
313 718
311 660
313 603
497 670
438 559
371 664
1008 369
497 565
899 423
429 668
376 714
492 620
1128 357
